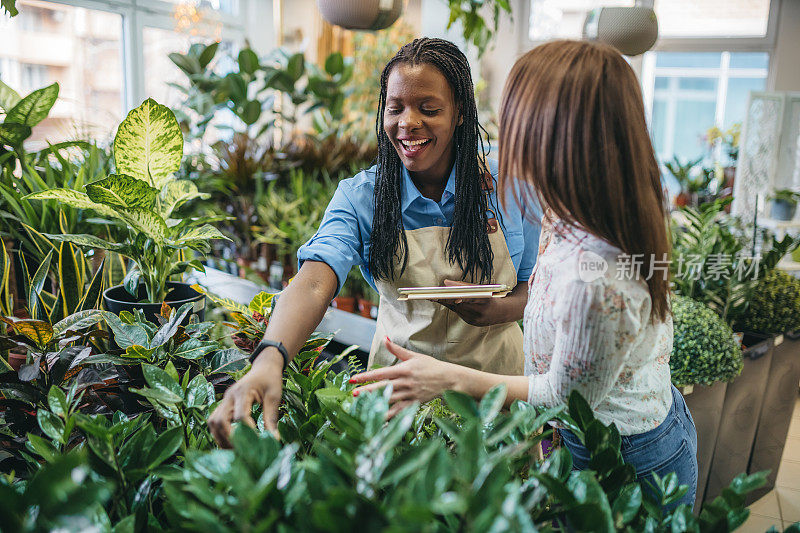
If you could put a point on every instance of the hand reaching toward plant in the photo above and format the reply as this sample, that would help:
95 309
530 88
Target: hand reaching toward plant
421 378
416 378
262 384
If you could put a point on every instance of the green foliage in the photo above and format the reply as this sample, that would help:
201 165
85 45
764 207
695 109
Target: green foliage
689 180
474 28
149 146
291 215
9 6
774 305
712 260
252 91
22 114
704 349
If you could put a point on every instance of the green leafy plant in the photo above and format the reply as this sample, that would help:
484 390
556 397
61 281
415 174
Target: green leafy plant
713 261
785 195
22 114
143 196
9 6
474 28
291 215
704 350
774 305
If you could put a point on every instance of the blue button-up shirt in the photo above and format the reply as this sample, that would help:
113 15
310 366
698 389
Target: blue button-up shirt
343 238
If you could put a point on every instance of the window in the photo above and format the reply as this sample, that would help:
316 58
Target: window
230 7
712 18
563 19
693 91
79 48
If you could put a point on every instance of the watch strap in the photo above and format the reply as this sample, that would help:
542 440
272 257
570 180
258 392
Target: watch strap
271 344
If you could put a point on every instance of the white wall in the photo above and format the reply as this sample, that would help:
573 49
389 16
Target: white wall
785 68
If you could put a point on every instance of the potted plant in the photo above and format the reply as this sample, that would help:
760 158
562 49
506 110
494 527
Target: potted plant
683 173
775 310
142 197
704 358
783 204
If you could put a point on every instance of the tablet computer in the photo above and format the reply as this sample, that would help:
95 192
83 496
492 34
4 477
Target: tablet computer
463 291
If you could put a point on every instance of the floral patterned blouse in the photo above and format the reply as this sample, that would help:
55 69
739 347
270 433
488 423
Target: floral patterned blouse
589 329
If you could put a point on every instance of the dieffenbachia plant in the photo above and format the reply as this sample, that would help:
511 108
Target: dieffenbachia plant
143 195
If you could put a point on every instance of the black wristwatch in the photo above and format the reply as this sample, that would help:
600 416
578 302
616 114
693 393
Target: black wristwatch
267 344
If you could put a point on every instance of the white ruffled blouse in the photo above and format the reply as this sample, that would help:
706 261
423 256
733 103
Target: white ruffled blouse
590 330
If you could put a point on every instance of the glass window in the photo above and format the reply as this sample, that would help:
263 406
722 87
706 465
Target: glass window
230 7
693 91
559 19
712 18
79 48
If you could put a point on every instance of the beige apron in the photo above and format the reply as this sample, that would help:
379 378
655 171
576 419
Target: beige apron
430 328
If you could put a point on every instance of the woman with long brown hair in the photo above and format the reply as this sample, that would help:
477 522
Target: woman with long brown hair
573 133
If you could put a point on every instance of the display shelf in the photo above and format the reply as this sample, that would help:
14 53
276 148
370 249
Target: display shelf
347 328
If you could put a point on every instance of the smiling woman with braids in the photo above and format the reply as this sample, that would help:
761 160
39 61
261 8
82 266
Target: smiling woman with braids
426 214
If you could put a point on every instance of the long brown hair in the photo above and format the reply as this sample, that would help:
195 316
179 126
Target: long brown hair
572 126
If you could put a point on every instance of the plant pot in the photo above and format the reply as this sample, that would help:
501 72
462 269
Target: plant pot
16 360
744 397
782 210
705 403
345 303
367 309
776 411
117 299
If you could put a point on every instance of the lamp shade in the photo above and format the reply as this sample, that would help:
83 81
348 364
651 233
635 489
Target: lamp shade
631 30
361 14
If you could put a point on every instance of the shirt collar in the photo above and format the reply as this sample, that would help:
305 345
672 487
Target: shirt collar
411 193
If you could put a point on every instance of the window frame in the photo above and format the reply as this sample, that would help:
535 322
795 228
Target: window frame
138 14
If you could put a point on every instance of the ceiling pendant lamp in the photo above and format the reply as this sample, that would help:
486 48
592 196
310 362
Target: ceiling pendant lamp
631 30
361 14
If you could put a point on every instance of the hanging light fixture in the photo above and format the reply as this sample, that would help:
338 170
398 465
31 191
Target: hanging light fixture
361 14
631 30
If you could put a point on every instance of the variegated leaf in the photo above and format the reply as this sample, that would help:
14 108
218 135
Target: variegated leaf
80 320
34 108
73 199
38 331
122 191
149 144
176 193
227 303
203 233
145 221
261 303
8 97
88 241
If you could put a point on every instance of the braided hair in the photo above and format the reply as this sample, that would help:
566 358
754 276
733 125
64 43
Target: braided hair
467 242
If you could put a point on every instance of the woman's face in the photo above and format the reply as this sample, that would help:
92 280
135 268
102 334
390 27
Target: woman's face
420 118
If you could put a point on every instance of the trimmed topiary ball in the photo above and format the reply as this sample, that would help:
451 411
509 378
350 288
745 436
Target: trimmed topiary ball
704 349
775 305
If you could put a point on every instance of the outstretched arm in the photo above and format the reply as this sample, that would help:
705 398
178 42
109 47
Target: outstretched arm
420 378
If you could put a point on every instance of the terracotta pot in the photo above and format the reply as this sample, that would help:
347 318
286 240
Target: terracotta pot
365 308
345 303
16 360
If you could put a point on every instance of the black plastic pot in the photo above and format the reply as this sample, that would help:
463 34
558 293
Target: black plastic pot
705 403
744 397
776 411
117 299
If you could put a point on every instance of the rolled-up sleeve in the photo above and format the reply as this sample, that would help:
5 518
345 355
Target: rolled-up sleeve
597 326
338 240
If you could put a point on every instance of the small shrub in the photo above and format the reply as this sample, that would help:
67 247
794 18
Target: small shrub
704 350
774 305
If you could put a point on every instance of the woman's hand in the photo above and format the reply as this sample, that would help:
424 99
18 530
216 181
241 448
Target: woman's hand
483 312
417 378
262 384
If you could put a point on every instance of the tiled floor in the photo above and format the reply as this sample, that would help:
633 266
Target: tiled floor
781 507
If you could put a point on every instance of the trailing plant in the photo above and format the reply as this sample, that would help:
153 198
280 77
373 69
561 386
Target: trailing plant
774 304
704 350
474 28
143 196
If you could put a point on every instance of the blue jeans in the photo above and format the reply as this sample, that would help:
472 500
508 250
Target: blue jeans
671 447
